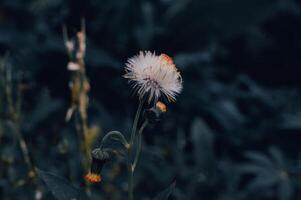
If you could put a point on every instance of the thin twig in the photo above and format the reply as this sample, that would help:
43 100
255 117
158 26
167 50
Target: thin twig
14 111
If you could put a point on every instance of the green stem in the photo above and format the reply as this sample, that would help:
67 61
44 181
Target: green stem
66 39
114 135
130 152
130 181
134 128
139 140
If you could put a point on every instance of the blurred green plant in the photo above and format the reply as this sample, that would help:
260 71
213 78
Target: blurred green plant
11 102
240 61
270 173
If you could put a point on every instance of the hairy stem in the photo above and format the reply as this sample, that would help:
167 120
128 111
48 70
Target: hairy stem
136 120
130 152
114 135
139 141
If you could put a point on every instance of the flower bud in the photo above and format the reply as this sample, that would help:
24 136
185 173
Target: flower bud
153 114
161 107
99 158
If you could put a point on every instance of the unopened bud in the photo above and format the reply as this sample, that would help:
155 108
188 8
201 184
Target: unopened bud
161 107
153 114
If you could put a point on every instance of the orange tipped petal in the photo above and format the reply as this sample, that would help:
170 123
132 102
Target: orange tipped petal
166 58
93 178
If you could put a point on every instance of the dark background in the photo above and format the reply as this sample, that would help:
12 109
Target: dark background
234 132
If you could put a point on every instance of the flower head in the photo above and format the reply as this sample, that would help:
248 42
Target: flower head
154 76
93 178
99 158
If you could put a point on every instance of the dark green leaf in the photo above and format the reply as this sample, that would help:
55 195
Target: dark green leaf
285 190
165 193
260 159
202 138
61 188
277 156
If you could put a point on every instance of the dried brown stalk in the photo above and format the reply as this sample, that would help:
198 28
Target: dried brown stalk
79 87
14 114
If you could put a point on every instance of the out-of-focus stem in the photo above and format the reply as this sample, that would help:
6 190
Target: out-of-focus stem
14 111
130 177
79 91
32 172
81 128
67 42
83 95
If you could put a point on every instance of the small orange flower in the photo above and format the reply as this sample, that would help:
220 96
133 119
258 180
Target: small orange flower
99 158
161 106
93 178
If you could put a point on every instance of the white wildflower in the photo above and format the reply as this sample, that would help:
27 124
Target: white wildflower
154 76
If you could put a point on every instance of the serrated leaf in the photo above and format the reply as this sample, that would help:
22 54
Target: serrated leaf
166 193
61 188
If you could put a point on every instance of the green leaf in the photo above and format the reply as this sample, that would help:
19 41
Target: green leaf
277 157
285 190
165 193
260 159
252 168
203 139
263 181
61 188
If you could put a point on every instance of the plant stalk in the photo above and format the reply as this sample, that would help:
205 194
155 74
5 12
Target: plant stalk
14 111
130 152
139 145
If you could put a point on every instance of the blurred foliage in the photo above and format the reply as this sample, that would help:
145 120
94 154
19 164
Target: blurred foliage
234 132
60 188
